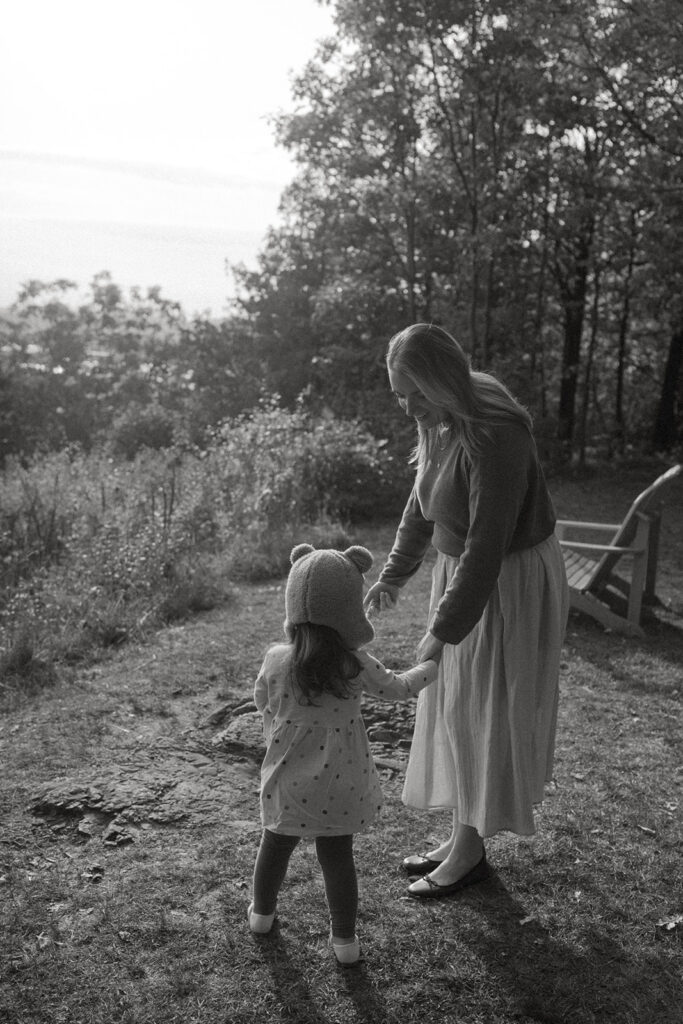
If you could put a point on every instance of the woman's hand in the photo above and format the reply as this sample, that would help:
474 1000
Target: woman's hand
381 597
429 648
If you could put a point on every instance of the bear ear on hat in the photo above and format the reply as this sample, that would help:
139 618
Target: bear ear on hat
361 557
299 551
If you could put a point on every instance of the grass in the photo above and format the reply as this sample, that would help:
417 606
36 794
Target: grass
578 925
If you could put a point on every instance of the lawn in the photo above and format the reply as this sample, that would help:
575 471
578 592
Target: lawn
129 817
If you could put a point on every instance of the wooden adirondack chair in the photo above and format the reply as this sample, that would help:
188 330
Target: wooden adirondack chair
595 568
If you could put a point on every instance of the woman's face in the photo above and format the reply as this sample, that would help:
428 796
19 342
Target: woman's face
414 403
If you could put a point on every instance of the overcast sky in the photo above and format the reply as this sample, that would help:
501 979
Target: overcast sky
134 137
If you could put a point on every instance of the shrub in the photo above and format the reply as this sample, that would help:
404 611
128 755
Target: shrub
278 466
96 550
141 426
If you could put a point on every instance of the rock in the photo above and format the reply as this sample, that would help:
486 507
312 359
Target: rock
93 823
244 733
377 734
386 763
218 716
117 833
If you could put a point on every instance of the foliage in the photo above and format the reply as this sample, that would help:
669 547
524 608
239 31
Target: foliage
141 426
96 550
129 372
510 170
288 465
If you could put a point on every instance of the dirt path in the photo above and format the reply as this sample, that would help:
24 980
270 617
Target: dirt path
161 735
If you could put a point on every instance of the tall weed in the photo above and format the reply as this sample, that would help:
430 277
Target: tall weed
95 550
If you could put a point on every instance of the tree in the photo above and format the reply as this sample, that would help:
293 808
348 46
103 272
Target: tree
638 57
40 356
134 367
475 163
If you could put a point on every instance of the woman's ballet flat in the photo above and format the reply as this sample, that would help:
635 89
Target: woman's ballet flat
419 865
260 924
427 889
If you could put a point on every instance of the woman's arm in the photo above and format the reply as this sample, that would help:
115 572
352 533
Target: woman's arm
413 538
497 488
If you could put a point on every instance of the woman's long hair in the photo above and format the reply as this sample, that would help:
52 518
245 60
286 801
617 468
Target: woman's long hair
474 401
320 662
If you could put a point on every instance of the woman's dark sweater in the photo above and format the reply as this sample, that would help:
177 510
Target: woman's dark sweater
479 510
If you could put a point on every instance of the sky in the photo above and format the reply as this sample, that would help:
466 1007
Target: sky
134 138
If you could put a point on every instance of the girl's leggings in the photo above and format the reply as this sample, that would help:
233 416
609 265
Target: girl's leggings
335 854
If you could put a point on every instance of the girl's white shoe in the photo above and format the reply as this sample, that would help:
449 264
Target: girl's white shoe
346 952
260 924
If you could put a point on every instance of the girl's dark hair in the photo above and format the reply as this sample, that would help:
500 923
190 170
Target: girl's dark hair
320 662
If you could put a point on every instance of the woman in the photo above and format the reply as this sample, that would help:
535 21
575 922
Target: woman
484 733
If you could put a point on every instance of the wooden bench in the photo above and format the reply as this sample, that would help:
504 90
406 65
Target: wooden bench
612 567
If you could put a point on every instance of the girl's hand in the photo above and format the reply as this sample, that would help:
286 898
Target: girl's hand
381 597
429 649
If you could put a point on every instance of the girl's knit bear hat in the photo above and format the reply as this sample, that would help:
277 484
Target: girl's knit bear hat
326 587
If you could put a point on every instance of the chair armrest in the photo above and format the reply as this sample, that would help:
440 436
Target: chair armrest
578 524
603 549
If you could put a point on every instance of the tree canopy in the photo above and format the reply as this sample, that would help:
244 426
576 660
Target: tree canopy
510 169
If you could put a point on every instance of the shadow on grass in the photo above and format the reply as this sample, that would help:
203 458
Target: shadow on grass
290 987
663 642
364 994
549 982
294 991
482 956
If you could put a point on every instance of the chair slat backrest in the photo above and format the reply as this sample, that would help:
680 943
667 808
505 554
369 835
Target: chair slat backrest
645 504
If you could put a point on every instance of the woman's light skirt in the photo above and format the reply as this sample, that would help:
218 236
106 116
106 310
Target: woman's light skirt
484 735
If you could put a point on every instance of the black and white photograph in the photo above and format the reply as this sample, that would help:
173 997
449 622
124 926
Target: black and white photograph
341 512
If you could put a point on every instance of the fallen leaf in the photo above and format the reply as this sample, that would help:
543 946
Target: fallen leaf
95 874
670 922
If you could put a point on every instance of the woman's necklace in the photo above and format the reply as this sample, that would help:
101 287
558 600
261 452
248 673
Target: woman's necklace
443 440
443 436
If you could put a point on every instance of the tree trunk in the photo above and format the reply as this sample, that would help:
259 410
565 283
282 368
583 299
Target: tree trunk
573 279
623 333
486 343
587 380
571 358
410 261
538 350
667 428
474 242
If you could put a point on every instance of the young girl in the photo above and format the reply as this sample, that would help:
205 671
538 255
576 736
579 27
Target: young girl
318 779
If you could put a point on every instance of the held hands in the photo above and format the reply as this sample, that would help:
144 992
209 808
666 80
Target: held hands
381 597
429 649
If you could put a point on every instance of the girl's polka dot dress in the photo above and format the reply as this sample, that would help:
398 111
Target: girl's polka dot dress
318 777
